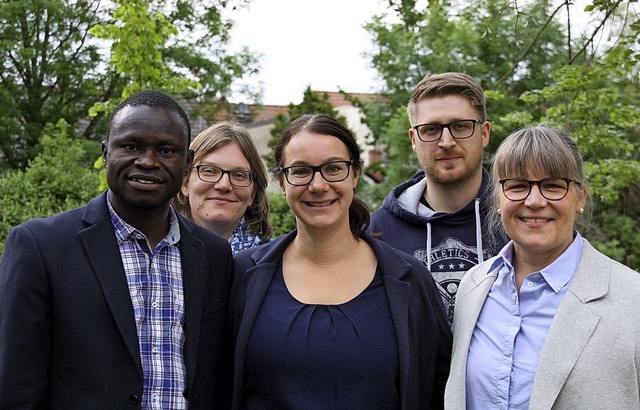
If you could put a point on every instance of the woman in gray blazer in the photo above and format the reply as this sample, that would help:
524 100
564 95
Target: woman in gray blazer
549 322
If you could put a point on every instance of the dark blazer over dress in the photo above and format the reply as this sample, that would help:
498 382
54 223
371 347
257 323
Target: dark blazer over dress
422 332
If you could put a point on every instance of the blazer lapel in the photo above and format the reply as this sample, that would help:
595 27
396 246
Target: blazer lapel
258 280
469 302
474 297
258 277
398 296
193 271
572 327
104 255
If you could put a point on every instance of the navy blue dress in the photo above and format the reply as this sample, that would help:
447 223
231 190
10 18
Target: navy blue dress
303 356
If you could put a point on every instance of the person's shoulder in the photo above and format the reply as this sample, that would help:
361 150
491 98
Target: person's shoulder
246 254
265 250
391 256
58 222
483 268
593 257
379 213
624 276
392 197
207 236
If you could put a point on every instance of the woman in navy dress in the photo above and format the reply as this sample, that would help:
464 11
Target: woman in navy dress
327 317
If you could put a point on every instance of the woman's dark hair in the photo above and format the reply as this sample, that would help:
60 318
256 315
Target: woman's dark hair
324 124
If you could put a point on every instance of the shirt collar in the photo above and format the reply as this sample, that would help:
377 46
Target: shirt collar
125 231
561 271
505 256
558 273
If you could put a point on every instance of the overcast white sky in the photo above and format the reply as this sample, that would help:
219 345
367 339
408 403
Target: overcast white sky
307 42
311 42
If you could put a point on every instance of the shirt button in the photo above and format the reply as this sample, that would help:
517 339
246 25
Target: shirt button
154 350
530 284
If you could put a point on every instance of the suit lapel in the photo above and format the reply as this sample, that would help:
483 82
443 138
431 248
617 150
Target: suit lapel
394 269
572 327
258 278
193 273
104 255
474 297
398 296
470 300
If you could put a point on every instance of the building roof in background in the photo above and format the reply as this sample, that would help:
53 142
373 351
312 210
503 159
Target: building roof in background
261 114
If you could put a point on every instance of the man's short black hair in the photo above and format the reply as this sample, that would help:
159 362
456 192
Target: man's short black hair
152 98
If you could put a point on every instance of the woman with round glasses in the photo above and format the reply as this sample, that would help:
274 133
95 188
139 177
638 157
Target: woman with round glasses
548 322
326 317
226 189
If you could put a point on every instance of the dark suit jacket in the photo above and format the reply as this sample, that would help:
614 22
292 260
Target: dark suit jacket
68 338
422 331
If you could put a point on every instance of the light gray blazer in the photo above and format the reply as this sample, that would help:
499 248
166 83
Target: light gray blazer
591 358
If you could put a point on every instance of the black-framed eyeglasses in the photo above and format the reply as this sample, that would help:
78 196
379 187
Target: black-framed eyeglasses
459 130
334 171
212 174
552 189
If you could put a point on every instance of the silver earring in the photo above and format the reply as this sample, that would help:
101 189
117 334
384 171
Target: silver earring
498 211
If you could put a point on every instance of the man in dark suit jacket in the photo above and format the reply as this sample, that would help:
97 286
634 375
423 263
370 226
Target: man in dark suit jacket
121 303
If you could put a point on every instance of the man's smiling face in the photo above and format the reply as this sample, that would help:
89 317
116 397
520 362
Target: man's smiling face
146 157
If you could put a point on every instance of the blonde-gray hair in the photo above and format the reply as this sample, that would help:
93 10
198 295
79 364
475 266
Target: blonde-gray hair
541 149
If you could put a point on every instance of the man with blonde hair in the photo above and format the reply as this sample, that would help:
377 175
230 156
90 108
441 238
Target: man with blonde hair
438 215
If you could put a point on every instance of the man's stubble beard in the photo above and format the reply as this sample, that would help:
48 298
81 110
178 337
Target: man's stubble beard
445 179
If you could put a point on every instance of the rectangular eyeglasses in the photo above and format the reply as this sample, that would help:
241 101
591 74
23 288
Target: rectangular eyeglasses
459 130
334 171
213 174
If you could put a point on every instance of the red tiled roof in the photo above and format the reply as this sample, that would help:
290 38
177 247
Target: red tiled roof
338 99
265 113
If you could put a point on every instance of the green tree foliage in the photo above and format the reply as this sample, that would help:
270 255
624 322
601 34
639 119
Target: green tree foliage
509 47
146 53
534 68
281 216
138 35
49 71
56 180
53 68
151 48
600 105
312 103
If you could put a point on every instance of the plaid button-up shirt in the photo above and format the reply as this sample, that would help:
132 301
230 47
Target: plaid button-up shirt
154 277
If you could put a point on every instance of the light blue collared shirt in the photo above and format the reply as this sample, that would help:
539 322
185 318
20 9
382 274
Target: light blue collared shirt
510 332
